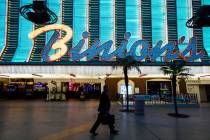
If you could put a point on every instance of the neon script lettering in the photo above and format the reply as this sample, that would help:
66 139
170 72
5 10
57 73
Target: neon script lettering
60 44
189 53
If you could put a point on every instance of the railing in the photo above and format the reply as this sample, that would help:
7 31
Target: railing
187 98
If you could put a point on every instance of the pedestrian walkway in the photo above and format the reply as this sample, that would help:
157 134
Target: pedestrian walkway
40 120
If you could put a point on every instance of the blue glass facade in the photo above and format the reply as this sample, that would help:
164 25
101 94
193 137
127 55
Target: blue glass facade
159 15
115 17
24 43
80 22
184 12
55 6
107 21
159 22
2 24
133 21
206 32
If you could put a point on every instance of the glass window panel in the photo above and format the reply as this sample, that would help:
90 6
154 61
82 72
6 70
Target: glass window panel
206 32
133 21
55 6
80 22
107 21
159 22
184 12
2 24
24 43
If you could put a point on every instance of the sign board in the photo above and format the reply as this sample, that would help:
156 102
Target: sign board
189 54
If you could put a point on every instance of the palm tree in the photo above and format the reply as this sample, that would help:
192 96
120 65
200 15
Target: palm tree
176 68
127 63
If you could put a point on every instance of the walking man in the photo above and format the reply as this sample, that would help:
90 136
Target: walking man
103 109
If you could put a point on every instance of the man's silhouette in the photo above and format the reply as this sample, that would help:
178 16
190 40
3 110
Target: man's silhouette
103 109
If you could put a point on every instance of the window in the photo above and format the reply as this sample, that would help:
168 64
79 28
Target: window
159 22
2 24
80 22
107 21
133 22
184 12
24 43
55 6
206 32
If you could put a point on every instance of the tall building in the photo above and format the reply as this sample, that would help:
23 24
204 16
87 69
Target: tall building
104 20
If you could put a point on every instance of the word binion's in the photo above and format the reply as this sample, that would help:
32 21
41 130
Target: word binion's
188 54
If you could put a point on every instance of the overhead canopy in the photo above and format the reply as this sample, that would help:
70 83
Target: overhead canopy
57 71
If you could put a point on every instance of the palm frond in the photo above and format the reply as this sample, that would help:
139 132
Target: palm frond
166 70
138 69
177 69
128 62
115 67
185 74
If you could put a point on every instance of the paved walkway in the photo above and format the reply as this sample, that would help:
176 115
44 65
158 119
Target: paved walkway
40 120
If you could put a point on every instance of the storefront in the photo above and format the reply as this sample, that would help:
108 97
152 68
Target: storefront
3 86
201 87
20 87
30 86
158 86
70 79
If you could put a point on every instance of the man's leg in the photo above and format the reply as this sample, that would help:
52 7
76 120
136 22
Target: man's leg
95 126
111 126
112 129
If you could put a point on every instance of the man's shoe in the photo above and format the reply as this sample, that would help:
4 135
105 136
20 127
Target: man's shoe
114 132
93 133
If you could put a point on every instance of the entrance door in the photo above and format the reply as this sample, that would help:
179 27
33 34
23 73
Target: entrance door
159 87
123 89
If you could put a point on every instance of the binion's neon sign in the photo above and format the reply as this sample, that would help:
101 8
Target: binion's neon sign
188 54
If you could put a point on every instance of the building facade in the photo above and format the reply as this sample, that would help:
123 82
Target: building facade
150 20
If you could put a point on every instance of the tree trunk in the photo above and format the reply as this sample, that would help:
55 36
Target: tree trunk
125 71
174 93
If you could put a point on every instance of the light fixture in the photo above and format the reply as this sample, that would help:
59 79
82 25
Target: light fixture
204 76
141 75
73 75
201 18
2 75
38 13
37 75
